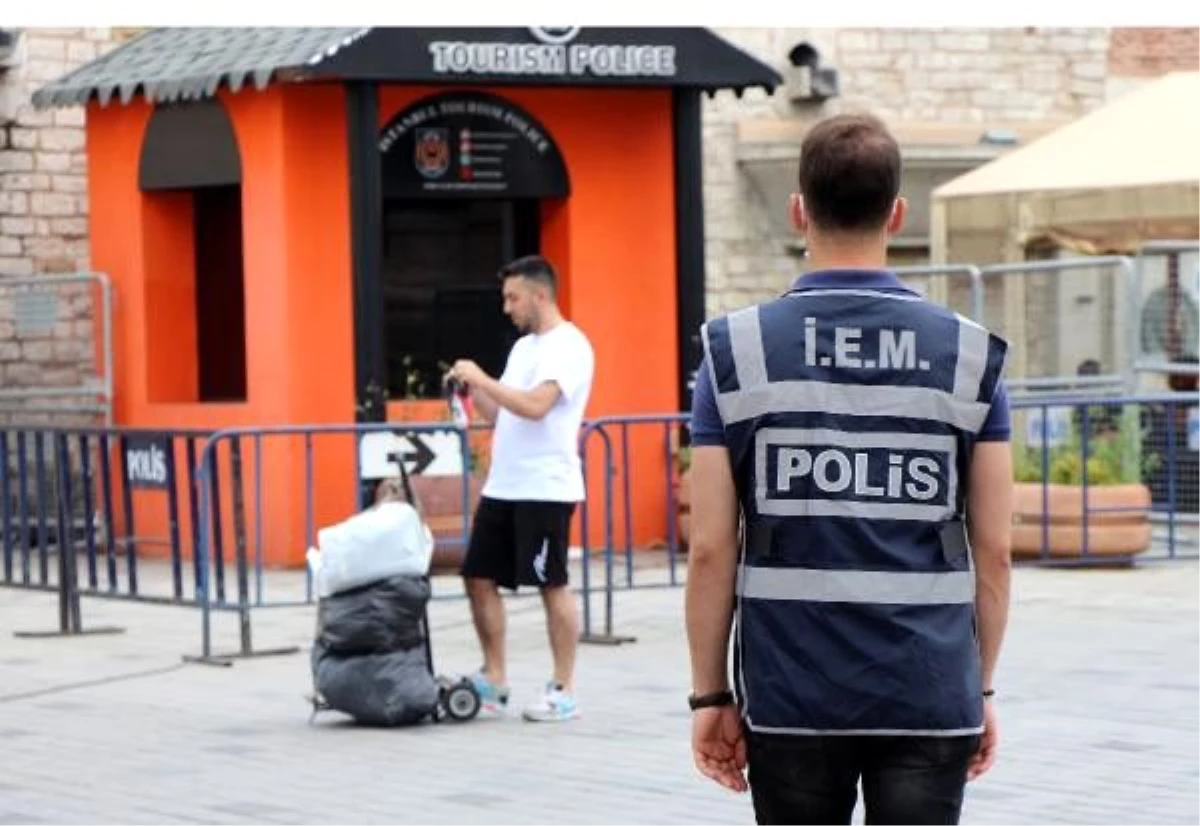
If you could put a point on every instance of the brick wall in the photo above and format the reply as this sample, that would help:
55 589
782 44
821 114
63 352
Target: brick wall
43 183
43 218
1148 52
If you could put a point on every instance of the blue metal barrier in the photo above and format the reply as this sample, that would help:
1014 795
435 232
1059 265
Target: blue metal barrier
600 429
1173 483
250 595
74 490
60 498
1154 451
210 550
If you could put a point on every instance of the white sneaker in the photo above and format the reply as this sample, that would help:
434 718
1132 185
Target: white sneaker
555 705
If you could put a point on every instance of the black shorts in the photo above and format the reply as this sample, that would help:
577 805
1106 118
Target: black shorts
519 543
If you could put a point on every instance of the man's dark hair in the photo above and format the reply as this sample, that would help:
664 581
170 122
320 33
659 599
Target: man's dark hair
849 173
533 267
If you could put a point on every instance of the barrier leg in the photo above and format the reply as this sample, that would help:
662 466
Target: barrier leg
202 528
608 637
243 572
588 637
70 620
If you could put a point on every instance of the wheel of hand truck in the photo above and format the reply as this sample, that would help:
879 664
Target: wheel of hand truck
462 702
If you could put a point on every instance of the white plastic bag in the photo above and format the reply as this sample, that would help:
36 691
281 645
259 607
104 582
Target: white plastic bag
386 540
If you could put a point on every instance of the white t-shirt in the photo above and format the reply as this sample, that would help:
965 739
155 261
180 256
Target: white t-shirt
539 460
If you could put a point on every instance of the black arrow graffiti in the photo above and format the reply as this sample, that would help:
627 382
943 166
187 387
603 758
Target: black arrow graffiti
422 456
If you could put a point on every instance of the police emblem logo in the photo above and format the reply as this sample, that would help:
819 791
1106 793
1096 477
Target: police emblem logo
431 153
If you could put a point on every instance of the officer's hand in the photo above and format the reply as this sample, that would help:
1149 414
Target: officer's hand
719 746
989 741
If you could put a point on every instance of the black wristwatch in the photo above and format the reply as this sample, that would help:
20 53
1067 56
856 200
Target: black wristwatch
717 698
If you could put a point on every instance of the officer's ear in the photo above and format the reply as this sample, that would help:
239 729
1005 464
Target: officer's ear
896 220
796 212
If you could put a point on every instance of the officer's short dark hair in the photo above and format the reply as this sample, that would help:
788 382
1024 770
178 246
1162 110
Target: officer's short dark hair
533 267
849 173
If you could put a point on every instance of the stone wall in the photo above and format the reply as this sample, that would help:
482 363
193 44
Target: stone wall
960 76
43 225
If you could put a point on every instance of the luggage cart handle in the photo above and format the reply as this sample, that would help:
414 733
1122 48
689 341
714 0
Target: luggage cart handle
406 482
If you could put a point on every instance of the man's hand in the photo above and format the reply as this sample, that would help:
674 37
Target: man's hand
989 741
467 372
529 404
719 746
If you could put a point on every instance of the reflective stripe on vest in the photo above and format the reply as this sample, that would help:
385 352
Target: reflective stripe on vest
756 396
871 587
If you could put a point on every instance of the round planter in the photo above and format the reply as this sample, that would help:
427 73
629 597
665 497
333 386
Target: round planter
1117 520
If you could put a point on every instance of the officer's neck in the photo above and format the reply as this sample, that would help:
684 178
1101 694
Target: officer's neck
855 252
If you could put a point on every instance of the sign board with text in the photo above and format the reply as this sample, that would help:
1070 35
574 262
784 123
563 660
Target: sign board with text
661 56
146 465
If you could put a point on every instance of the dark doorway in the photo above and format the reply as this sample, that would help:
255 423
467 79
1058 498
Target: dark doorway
441 299
220 294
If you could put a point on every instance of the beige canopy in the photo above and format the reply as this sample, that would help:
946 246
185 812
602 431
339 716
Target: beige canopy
1127 172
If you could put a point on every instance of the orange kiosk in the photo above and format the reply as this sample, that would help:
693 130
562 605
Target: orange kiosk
303 226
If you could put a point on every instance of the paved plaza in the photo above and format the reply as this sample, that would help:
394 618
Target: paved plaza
1098 697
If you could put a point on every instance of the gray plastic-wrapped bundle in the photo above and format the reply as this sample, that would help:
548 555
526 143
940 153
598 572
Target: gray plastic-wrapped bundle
369 659
392 689
374 619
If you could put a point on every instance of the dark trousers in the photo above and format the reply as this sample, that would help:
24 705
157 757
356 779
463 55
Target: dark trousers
814 779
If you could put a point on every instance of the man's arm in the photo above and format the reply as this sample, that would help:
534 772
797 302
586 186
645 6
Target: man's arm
989 512
712 568
534 403
485 406
712 557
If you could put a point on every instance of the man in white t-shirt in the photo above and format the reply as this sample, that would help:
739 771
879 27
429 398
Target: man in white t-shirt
522 526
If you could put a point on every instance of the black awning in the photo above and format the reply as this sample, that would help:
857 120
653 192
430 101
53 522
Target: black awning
569 56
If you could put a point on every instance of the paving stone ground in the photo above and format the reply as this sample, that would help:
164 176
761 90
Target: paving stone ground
1098 692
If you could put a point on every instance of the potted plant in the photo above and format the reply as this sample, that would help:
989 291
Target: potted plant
1049 508
415 404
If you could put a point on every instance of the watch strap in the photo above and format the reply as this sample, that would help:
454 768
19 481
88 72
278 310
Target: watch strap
716 698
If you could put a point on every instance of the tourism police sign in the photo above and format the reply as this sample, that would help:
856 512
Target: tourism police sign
551 51
145 459
662 56
821 472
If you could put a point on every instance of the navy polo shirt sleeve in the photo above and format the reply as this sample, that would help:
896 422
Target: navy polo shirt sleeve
997 427
707 429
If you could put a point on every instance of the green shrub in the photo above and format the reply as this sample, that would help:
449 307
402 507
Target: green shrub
1114 456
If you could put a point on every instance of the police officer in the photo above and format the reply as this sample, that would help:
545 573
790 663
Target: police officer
852 497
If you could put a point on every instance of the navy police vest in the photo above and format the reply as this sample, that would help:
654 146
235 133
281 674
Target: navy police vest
850 415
